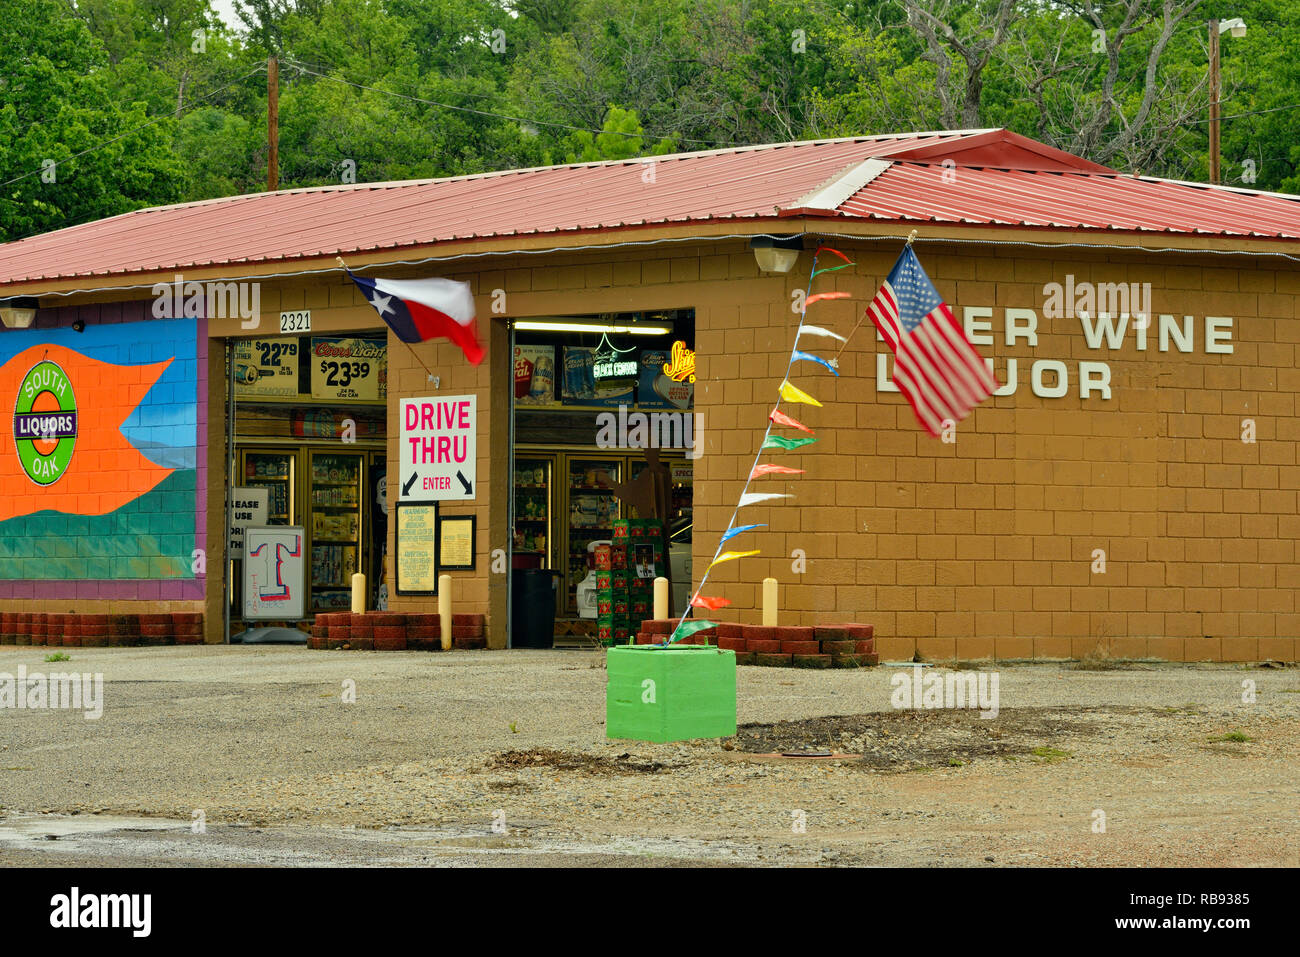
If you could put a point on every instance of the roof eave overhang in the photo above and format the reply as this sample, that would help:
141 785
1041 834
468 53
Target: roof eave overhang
779 222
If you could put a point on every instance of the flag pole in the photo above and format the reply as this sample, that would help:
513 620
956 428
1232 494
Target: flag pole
908 245
427 370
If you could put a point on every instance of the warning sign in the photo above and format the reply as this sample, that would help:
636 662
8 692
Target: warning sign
438 448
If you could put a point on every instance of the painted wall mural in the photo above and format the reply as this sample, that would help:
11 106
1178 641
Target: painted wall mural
99 452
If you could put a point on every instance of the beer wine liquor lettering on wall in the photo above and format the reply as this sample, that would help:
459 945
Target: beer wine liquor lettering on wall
98 473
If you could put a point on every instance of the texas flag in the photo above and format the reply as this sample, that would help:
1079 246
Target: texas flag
422 309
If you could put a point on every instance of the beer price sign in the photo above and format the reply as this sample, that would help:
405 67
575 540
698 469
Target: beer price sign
266 367
348 368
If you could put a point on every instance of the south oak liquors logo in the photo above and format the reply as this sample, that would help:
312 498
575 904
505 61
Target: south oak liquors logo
45 423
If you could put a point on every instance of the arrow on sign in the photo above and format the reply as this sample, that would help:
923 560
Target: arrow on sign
406 489
469 489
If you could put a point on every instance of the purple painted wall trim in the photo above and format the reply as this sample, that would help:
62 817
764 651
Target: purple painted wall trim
188 589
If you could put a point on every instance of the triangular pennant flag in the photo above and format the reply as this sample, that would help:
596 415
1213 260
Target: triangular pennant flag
792 394
832 249
733 532
685 629
780 418
781 442
809 357
731 557
760 470
818 272
819 331
819 296
713 604
753 498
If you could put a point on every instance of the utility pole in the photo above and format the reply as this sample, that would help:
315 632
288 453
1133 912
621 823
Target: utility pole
272 124
1214 102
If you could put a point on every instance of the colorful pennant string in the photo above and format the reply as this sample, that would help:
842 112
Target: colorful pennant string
733 532
791 393
761 470
780 418
753 498
731 557
819 331
809 357
781 442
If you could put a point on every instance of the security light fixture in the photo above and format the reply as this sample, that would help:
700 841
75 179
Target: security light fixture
17 313
1236 25
776 253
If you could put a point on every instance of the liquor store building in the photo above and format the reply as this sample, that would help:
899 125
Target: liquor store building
185 378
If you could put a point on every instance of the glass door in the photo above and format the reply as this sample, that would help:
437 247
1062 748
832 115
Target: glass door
336 524
533 536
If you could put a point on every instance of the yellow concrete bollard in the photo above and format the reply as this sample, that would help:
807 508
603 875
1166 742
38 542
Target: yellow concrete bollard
358 594
769 602
661 598
444 610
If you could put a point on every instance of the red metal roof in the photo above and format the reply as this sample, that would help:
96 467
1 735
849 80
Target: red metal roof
1065 200
994 177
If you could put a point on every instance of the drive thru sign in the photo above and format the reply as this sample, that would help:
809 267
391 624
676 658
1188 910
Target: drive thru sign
438 448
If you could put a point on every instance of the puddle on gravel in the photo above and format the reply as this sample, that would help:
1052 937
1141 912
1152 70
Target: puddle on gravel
37 828
114 840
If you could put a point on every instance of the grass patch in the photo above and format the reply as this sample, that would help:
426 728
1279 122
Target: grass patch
57 656
1049 755
1236 737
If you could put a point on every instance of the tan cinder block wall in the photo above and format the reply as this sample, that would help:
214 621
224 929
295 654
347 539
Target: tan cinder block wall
986 546
981 547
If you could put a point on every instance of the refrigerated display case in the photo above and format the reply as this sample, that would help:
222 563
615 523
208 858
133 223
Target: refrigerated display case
277 472
533 511
592 508
336 483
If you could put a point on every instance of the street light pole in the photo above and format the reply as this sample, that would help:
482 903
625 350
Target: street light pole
1214 102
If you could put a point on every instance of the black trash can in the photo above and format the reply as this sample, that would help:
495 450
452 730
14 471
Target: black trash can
532 608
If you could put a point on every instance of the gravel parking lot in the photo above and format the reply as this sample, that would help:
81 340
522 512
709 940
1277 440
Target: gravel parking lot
500 757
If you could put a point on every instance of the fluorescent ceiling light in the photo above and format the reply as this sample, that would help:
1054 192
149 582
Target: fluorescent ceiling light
633 329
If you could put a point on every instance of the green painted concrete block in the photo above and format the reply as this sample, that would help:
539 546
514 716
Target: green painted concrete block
670 694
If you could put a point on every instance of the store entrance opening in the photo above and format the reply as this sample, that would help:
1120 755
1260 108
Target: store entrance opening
310 431
604 441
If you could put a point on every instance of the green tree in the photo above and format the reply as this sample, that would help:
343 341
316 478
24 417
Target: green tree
58 102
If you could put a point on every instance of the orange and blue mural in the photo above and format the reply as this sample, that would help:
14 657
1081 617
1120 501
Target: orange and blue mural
100 455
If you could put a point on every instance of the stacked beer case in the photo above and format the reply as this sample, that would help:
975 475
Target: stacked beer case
625 574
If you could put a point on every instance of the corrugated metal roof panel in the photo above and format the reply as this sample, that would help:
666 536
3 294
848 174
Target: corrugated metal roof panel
912 191
1033 185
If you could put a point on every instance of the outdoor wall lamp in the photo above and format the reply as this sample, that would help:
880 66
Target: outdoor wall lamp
17 313
776 253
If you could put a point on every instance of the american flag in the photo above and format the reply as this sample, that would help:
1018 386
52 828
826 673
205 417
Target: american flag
935 365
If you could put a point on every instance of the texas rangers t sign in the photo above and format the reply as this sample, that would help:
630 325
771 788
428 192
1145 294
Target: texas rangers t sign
438 448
